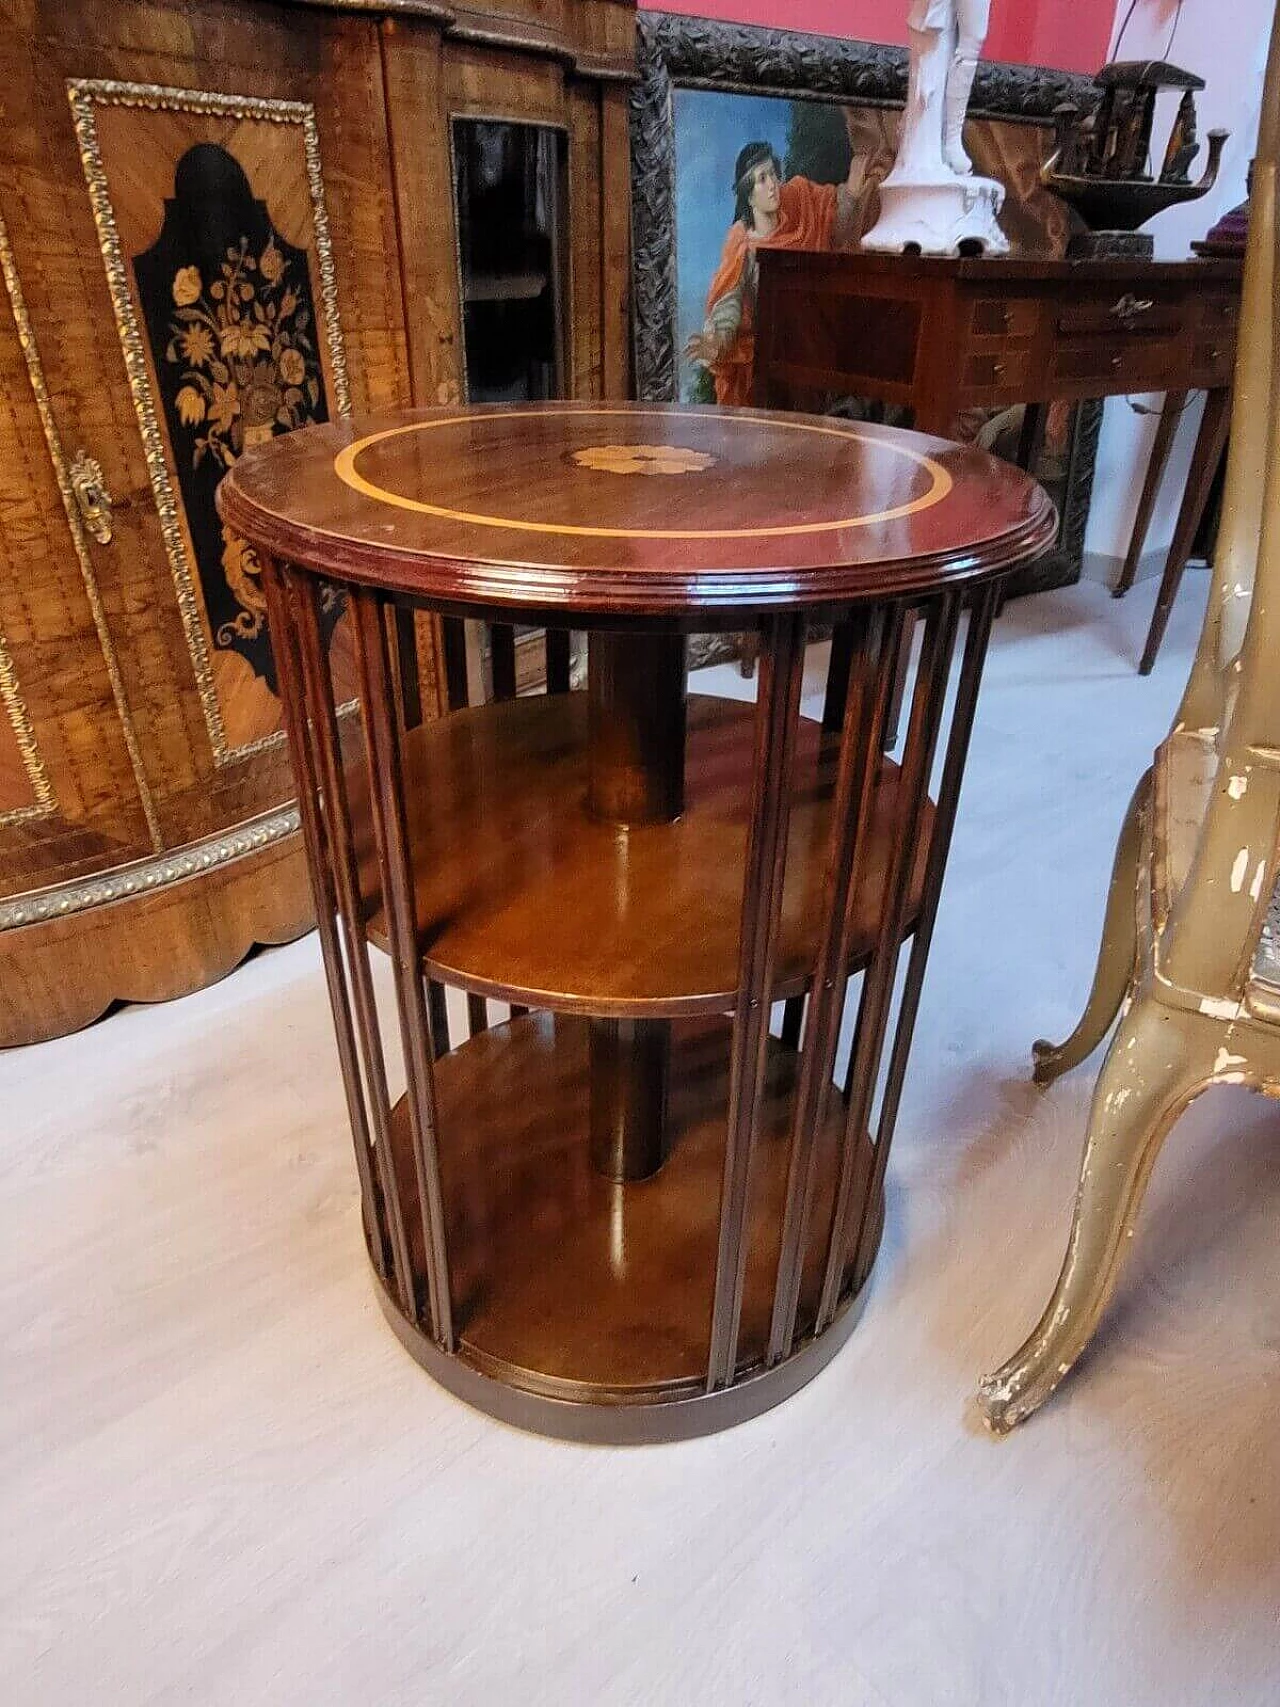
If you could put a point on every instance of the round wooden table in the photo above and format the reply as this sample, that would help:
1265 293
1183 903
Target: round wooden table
631 1212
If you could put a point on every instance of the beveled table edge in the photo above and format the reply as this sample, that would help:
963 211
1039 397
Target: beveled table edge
471 585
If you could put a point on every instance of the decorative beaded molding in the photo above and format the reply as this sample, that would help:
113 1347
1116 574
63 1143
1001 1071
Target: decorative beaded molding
147 875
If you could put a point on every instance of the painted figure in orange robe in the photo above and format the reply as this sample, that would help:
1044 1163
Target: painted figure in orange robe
770 213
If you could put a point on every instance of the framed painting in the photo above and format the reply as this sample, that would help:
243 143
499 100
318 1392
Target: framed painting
816 119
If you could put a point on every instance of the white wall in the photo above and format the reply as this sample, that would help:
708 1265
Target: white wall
1225 41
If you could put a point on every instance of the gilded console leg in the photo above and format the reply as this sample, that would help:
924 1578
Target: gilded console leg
1114 971
1159 1060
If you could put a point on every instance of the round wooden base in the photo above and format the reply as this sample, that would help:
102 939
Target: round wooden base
583 1305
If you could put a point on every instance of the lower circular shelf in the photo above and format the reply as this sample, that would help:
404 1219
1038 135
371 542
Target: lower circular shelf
583 1306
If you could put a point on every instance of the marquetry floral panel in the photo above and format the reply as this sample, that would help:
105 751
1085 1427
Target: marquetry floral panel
211 215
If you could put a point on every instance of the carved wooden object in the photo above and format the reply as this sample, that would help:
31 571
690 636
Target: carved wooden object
630 1212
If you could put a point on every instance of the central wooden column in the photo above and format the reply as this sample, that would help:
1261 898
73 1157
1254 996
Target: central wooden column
636 737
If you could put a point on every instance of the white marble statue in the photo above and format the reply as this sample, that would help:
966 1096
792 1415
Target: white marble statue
931 201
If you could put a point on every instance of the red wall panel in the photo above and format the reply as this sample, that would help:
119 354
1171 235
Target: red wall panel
1070 34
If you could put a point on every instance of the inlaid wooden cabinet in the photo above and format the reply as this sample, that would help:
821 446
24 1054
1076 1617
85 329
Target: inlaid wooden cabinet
220 221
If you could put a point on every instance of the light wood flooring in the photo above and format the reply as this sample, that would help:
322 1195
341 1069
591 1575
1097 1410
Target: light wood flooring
222 1481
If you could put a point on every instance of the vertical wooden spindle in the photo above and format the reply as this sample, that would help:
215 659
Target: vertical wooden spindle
833 705
792 1022
438 1013
502 659
320 703
869 680
781 675
453 637
927 704
558 660
315 842
981 616
386 801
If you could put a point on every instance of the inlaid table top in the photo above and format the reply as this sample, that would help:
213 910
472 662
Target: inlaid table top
639 509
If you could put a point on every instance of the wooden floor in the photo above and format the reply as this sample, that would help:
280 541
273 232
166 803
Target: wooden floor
222 1481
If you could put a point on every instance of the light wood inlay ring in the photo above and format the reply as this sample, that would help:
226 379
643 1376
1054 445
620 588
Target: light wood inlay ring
345 468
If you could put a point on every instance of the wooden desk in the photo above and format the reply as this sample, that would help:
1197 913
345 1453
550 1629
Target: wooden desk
628 1212
942 336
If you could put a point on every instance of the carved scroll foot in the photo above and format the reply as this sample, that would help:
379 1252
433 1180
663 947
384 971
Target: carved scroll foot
1159 1060
1114 971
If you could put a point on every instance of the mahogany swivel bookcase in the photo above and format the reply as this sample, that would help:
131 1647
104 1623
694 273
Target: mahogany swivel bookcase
630 1212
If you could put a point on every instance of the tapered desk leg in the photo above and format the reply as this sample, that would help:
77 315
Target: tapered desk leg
1035 417
1210 445
636 722
1170 415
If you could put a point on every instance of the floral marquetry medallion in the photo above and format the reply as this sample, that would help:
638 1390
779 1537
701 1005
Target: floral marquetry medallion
210 211
643 459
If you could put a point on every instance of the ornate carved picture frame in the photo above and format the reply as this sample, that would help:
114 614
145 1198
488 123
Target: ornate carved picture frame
677 52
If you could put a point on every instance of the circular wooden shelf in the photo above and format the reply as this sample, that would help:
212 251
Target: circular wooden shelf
577 1290
523 896
634 510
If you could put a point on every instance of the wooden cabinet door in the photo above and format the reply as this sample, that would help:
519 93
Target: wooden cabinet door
432 82
71 795
199 205
494 73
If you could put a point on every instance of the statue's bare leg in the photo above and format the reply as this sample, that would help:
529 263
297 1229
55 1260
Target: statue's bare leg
920 141
972 18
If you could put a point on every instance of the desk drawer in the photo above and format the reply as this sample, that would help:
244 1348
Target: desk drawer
1219 314
1140 363
1004 317
1000 371
1126 314
1213 360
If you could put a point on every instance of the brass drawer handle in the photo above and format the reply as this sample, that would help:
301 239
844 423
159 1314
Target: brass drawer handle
1130 309
91 495
1115 364
997 368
